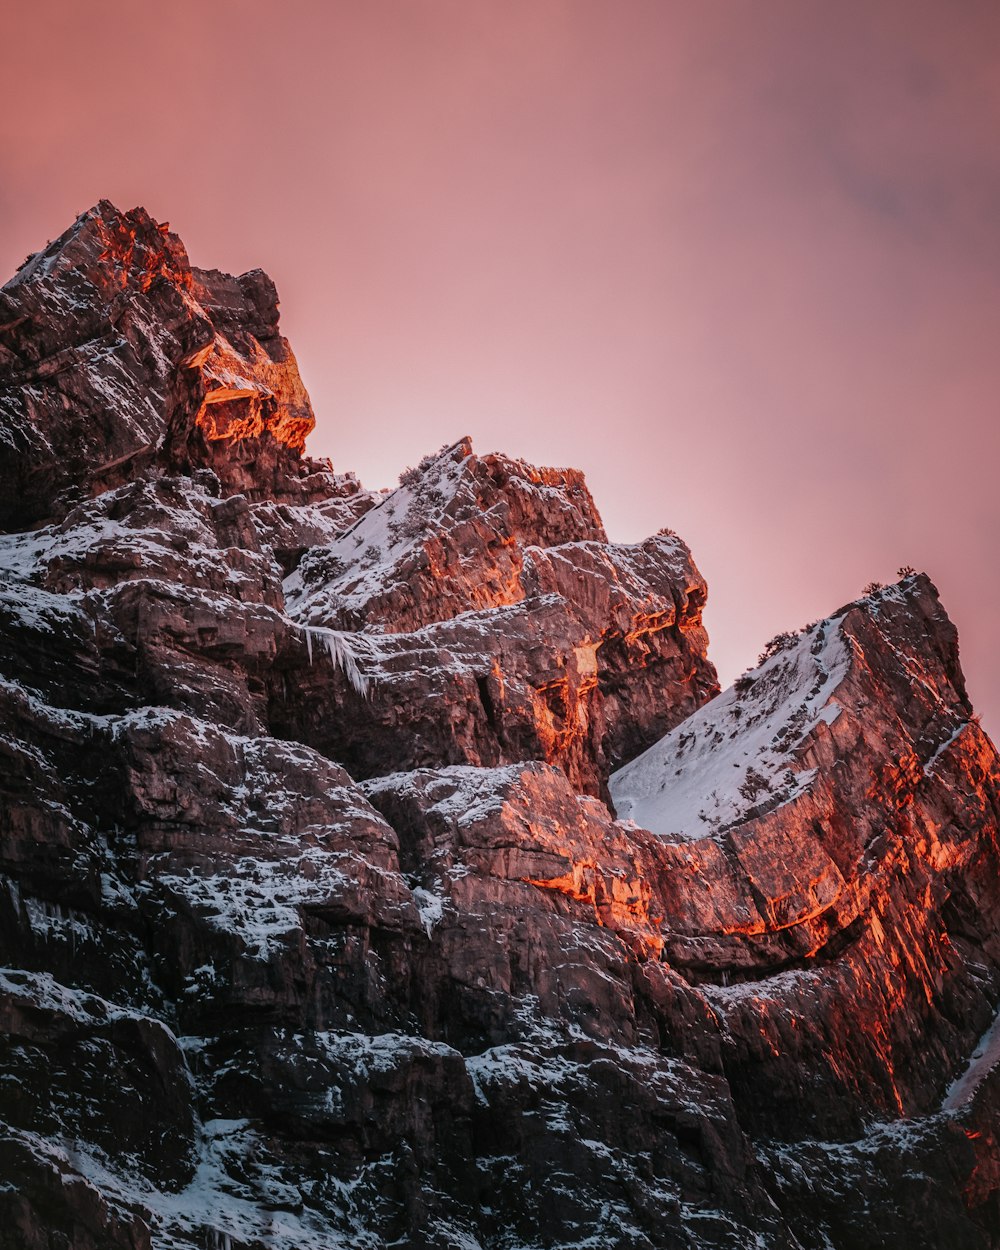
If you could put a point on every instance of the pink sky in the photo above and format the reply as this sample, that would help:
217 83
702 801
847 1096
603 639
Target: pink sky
740 262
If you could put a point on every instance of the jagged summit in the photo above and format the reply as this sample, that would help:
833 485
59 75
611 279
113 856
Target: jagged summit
318 924
499 624
818 836
758 743
116 354
454 537
138 248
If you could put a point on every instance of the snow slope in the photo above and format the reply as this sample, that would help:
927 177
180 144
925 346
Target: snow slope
739 749
353 565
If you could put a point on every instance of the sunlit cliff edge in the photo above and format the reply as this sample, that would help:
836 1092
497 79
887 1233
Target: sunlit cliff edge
386 868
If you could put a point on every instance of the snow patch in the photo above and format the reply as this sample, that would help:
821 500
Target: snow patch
984 1059
740 749
430 906
344 575
459 793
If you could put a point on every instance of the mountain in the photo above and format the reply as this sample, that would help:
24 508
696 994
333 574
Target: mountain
386 869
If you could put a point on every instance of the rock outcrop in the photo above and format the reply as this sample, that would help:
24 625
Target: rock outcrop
384 869
117 356
497 624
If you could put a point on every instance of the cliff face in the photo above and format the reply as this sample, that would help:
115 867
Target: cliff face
318 926
118 356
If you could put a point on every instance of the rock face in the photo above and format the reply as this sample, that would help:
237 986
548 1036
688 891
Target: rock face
118 356
497 624
379 869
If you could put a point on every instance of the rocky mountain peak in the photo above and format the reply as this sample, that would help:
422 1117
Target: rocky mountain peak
457 535
133 248
387 868
118 355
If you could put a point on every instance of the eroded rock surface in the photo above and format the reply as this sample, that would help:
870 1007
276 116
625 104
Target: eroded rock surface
316 930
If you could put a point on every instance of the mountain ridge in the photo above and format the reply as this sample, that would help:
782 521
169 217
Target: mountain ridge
319 924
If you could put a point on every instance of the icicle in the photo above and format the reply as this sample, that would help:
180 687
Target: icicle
341 656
